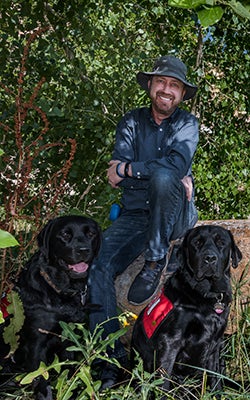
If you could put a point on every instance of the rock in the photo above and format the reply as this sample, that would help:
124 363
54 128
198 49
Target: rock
240 276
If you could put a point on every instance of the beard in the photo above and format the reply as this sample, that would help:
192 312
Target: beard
165 108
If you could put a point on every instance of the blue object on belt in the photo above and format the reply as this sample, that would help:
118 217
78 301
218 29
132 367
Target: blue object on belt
115 211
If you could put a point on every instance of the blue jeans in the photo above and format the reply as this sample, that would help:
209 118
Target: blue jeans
169 216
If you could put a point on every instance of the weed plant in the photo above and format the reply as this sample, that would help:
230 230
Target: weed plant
139 384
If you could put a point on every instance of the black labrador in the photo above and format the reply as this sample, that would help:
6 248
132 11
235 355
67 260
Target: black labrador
180 333
53 288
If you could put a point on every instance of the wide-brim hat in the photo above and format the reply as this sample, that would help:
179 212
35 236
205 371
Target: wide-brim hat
168 66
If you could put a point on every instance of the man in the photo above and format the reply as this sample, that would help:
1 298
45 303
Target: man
151 162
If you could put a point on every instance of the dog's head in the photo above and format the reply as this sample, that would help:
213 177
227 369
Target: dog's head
205 256
70 241
207 251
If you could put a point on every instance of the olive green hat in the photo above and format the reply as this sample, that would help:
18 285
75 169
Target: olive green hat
168 66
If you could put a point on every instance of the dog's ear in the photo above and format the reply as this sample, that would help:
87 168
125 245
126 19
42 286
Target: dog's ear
44 237
236 254
181 253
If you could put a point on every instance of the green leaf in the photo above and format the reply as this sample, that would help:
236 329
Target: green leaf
86 377
187 3
210 16
7 240
239 9
42 370
66 391
14 308
62 383
55 112
1 318
69 333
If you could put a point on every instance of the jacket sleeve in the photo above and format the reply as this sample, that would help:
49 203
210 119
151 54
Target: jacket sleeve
124 148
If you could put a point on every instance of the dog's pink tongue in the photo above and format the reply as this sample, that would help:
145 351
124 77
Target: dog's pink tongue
219 310
80 267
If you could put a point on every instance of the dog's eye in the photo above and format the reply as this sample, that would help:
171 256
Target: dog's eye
66 235
197 242
219 241
90 234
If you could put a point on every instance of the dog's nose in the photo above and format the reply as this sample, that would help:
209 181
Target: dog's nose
210 259
83 250
80 250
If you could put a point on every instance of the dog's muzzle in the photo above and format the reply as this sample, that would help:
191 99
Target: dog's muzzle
209 267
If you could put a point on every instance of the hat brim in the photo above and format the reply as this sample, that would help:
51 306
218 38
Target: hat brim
143 78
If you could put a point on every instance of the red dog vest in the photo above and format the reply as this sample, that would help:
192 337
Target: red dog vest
155 313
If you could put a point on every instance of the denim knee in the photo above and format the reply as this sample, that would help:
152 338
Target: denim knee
162 180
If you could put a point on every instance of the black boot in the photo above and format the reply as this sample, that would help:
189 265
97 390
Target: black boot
146 283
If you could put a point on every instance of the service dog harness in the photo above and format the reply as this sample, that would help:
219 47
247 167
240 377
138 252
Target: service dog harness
155 313
160 308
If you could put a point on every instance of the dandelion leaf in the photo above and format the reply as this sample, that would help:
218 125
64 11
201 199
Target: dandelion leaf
15 310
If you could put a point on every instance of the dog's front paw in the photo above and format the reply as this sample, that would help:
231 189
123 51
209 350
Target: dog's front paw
42 389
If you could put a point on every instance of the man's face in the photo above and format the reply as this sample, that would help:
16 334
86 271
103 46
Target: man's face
166 93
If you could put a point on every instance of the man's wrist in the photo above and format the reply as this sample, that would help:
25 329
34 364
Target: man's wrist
118 170
126 169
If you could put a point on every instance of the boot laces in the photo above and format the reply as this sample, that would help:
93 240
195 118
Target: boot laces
150 271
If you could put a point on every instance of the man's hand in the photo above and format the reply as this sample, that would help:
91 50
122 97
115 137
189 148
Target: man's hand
113 178
188 185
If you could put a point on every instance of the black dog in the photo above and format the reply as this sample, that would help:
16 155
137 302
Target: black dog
183 328
53 288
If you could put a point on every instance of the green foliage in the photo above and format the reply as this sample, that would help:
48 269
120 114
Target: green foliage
15 310
221 164
89 65
7 240
89 347
139 383
211 11
211 16
78 78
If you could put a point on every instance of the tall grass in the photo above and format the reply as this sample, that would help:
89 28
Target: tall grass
139 384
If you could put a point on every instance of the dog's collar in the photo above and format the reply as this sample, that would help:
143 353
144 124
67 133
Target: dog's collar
83 293
219 306
49 281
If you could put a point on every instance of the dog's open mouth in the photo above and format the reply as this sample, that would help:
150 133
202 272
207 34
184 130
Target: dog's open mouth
79 268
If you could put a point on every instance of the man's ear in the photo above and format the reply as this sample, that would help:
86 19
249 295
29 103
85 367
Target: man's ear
183 93
149 83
